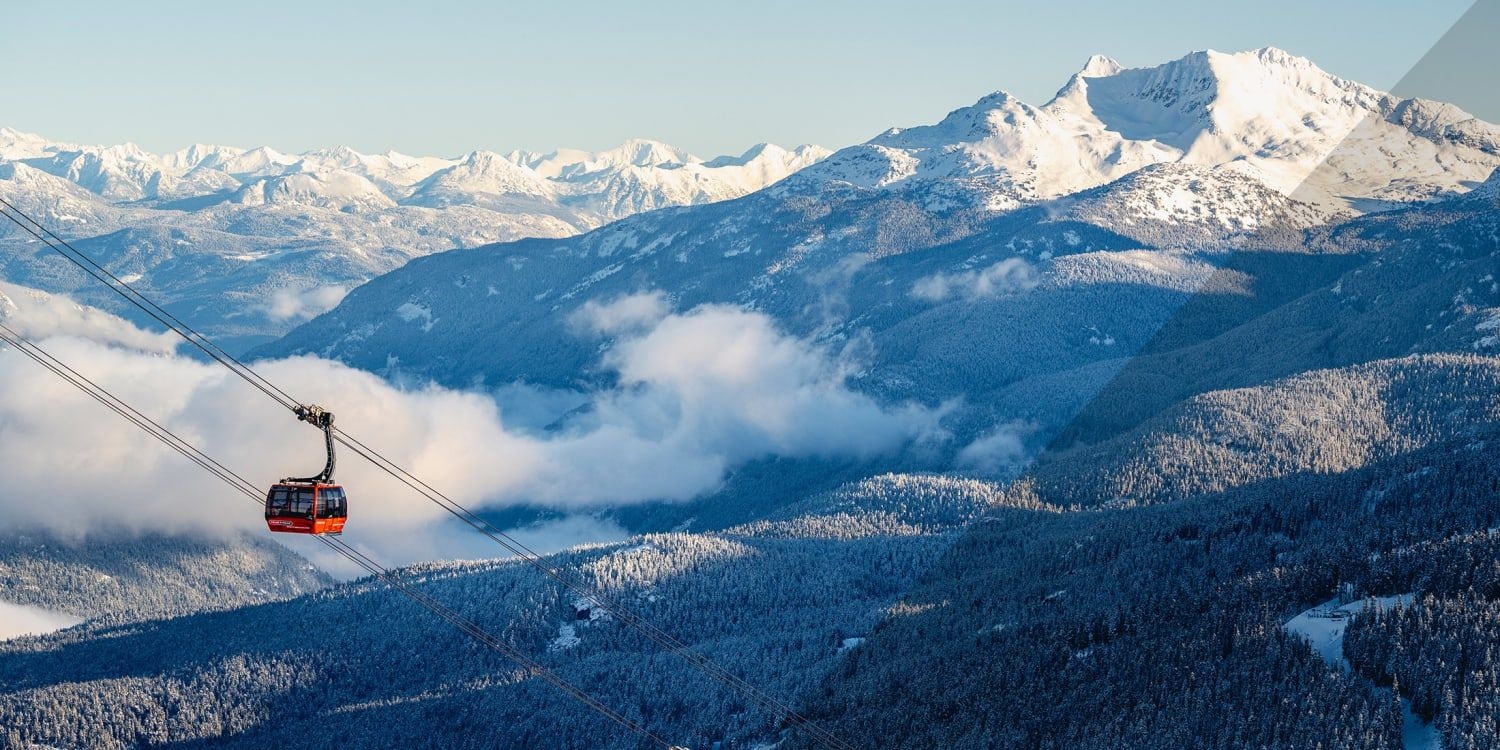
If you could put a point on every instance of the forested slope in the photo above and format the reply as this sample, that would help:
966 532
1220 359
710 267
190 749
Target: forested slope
118 578
775 605
1163 626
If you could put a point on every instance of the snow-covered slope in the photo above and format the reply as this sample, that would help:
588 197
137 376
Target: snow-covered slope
109 578
1293 125
479 177
645 175
1179 204
220 231
344 191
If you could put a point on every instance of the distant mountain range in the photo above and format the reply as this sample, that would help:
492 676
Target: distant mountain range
247 242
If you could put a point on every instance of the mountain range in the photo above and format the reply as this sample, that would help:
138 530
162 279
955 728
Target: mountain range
1050 244
247 242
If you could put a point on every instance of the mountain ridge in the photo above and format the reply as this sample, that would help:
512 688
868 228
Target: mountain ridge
1278 113
212 227
842 221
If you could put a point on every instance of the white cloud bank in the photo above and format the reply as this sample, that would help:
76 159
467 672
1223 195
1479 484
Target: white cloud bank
17 620
1009 276
1000 451
303 304
630 313
32 312
699 393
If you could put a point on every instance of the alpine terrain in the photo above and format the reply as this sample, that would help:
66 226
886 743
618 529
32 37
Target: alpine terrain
249 242
1161 414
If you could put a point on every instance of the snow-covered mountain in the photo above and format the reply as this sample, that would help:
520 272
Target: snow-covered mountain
574 177
216 230
1296 127
644 175
1199 150
1109 202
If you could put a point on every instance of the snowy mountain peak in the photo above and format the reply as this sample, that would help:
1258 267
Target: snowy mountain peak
1277 112
476 178
758 151
256 162
1277 56
645 153
1099 65
15 144
338 190
570 164
490 162
770 153
342 157
198 153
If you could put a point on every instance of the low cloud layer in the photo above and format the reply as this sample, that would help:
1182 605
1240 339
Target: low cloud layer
998 452
17 620
297 305
1009 276
36 313
630 313
699 392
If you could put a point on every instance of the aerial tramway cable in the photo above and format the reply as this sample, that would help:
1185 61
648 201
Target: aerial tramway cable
243 486
778 710
119 286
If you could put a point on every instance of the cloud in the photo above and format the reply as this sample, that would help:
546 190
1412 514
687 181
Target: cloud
1009 276
303 304
998 452
832 285
626 314
698 393
707 390
20 619
35 313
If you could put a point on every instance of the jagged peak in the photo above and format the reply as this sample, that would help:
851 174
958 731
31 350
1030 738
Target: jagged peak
336 152
484 171
997 98
644 152
482 159
757 151
11 134
1279 56
754 152
207 149
266 151
1099 65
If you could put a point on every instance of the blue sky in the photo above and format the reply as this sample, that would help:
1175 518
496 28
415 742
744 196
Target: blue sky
444 77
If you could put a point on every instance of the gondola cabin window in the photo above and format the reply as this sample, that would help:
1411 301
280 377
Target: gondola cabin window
331 503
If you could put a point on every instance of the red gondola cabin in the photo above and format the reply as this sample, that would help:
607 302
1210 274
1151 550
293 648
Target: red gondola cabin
306 508
309 505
